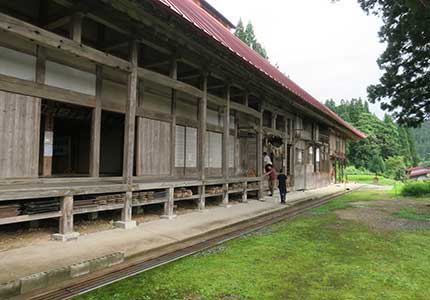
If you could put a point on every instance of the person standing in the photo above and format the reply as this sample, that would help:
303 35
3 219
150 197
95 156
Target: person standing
266 160
282 185
272 179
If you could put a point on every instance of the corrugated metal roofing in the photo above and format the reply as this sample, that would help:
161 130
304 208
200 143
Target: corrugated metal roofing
196 15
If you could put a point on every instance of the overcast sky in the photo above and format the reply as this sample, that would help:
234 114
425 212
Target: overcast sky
329 49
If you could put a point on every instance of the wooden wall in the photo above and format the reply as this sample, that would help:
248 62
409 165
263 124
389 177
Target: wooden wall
154 148
19 135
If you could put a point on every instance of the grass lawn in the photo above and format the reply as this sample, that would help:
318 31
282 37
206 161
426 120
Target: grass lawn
313 257
368 179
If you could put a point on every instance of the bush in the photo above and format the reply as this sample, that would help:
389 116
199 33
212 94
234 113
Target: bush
418 188
352 170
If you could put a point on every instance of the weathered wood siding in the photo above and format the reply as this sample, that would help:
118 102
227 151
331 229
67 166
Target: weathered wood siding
19 135
155 147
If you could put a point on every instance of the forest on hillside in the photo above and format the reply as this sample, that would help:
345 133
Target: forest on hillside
389 148
422 141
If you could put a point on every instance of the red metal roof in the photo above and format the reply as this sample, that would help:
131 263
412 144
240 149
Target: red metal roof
196 15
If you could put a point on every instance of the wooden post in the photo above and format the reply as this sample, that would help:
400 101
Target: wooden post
48 146
169 212
274 117
96 126
174 75
260 157
76 27
245 192
129 138
286 154
66 221
203 103
130 116
225 145
236 144
139 137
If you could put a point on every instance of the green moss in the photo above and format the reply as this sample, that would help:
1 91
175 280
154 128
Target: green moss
312 257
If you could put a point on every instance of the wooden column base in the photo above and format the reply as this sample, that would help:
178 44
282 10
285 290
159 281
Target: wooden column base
169 211
245 193
66 221
202 200
126 221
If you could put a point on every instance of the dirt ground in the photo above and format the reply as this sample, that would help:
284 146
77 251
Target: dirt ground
26 234
379 215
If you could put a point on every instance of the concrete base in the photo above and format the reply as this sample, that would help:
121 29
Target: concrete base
226 205
125 225
205 210
167 217
65 237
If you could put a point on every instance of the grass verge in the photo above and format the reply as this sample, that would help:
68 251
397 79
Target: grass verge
313 257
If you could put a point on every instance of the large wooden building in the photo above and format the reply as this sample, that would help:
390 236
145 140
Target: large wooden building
115 104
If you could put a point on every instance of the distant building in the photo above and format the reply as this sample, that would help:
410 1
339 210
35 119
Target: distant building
419 173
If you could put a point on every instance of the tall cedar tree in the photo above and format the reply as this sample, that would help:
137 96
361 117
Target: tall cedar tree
247 35
404 87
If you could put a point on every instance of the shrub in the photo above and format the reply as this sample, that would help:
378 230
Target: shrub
352 170
418 188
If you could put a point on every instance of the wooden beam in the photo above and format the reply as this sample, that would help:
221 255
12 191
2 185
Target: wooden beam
159 64
58 23
31 88
244 109
116 46
169 82
48 39
96 126
130 117
174 75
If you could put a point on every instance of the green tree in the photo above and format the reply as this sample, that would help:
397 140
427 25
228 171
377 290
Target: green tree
395 167
240 30
404 87
377 165
247 35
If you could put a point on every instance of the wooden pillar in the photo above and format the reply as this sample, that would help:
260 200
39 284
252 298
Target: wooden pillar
130 116
225 146
96 126
48 146
129 139
286 154
76 27
46 163
274 117
203 103
260 171
246 99
66 221
169 206
236 144
245 192
139 137
174 75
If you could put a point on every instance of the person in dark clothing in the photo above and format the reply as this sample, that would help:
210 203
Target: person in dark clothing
282 185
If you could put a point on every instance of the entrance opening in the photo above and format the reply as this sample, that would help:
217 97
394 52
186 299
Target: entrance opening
66 132
111 144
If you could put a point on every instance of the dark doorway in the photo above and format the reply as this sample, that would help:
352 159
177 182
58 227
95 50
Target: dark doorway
111 144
